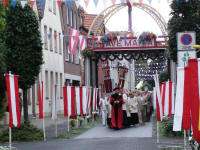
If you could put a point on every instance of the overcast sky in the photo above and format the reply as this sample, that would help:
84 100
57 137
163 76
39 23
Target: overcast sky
141 20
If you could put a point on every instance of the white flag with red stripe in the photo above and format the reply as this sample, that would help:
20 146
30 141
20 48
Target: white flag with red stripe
82 42
73 41
84 88
12 90
94 101
69 101
79 100
178 113
159 112
89 100
169 99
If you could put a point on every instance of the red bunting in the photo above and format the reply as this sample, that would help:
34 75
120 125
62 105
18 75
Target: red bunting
140 1
113 2
59 2
5 3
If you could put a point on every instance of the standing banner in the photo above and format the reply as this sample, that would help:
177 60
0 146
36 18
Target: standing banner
178 113
12 90
79 100
40 100
84 89
41 106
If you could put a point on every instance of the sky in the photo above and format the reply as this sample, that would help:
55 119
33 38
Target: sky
141 20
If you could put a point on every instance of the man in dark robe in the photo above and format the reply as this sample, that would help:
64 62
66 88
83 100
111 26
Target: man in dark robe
116 101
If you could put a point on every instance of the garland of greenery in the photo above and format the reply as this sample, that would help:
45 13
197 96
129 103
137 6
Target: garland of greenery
88 53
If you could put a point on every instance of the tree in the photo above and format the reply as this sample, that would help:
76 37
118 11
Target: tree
2 62
185 17
24 54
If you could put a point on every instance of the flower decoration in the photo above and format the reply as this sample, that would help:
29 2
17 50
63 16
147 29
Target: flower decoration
147 38
88 53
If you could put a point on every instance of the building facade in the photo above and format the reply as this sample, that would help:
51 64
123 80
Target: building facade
52 70
71 17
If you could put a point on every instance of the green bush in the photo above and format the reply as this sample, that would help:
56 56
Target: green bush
166 128
26 132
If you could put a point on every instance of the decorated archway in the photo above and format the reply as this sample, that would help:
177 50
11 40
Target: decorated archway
114 46
110 11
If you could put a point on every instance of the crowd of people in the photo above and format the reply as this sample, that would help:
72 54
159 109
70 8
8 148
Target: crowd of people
123 109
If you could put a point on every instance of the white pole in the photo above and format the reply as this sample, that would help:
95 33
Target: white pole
44 132
10 138
77 122
68 123
185 144
157 124
56 125
85 119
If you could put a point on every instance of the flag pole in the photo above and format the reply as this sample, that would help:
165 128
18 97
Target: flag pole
10 138
56 125
157 125
77 121
185 144
43 119
68 123
44 131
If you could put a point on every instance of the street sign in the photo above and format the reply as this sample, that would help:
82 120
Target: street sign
183 57
186 40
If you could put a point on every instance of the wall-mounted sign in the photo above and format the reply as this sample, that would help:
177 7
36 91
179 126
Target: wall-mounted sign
117 42
185 40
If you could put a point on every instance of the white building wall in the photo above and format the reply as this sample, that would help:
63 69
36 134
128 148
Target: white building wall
53 61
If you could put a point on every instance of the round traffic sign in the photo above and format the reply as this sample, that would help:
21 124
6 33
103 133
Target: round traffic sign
186 39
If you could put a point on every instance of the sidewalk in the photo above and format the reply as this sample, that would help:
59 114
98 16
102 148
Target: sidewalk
50 125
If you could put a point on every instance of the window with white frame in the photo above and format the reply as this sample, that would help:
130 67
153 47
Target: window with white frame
46 84
69 16
60 47
54 6
50 40
45 38
66 51
72 19
52 85
61 85
55 42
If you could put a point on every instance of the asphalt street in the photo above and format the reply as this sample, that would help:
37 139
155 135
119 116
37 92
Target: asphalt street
92 144
100 138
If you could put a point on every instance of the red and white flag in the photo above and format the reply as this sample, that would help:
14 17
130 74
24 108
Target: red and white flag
192 98
82 42
59 2
89 100
73 41
84 89
69 101
12 90
41 100
178 113
113 2
79 100
159 111
169 99
94 101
